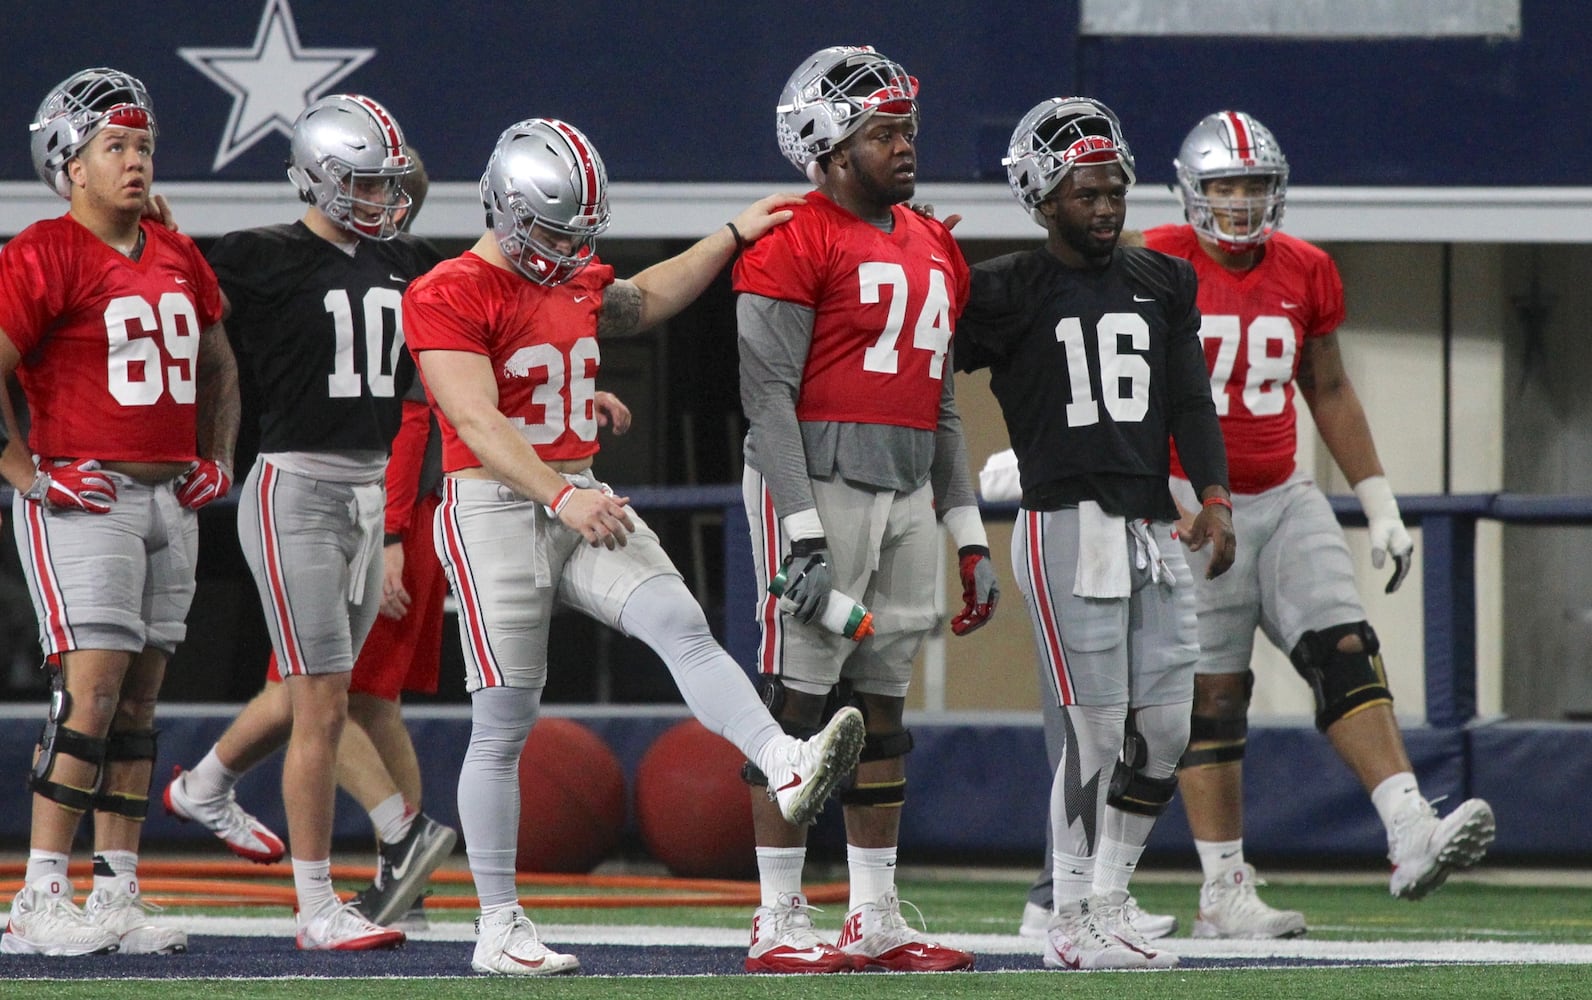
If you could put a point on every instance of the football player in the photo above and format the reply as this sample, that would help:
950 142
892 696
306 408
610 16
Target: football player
1271 305
507 336
112 324
854 457
1095 360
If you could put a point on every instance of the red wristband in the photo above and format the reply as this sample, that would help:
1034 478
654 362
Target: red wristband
1218 501
562 498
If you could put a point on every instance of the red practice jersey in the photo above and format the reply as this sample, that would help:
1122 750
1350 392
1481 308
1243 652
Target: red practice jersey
109 345
542 343
884 307
1253 326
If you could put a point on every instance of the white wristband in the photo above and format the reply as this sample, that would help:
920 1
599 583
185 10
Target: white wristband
1376 498
965 526
803 524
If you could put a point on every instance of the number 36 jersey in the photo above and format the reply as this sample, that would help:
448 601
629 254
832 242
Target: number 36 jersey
109 345
1253 327
321 332
541 342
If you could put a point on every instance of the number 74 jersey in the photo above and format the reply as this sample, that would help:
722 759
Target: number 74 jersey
109 345
884 308
1254 327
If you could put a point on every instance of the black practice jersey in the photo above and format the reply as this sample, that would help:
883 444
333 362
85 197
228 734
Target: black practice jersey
1094 371
320 333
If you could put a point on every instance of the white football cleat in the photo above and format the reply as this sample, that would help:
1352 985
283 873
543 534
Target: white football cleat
1425 850
45 921
1078 939
508 946
783 941
343 928
1112 912
876 935
122 911
246 836
810 769
1151 926
1230 907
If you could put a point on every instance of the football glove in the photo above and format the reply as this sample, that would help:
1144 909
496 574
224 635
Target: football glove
980 592
807 579
1388 535
205 480
78 485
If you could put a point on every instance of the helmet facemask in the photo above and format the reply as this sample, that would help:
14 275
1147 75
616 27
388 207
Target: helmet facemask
1232 144
546 196
1055 136
348 160
830 98
75 111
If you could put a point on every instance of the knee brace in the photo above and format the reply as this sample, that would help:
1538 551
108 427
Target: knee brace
129 745
890 794
1219 741
772 690
1132 791
1343 683
56 739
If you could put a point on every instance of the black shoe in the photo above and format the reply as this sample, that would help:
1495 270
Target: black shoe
402 870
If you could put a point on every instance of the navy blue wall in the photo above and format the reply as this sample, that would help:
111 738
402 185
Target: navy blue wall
684 92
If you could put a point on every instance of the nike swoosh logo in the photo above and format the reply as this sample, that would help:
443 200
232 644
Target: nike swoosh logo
581 298
181 281
528 963
812 953
1140 298
1228 854
1290 305
795 780
396 277
937 258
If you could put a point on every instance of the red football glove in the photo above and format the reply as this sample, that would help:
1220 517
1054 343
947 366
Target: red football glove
78 485
205 480
979 590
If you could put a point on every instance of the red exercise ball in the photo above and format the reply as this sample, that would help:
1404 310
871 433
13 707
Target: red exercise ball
693 810
572 799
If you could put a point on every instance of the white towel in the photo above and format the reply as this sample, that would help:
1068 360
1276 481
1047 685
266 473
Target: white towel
369 510
1102 554
1147 554
999 479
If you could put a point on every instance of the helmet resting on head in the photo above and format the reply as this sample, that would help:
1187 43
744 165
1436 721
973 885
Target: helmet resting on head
831 95
1053 137
546 197
1232 144
74 112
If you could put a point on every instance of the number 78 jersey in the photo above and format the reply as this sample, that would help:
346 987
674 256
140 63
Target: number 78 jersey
1254 326
884 308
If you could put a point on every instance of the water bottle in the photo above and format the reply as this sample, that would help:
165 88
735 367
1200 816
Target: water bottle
842 615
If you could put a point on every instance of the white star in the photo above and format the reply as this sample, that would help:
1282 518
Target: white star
271 82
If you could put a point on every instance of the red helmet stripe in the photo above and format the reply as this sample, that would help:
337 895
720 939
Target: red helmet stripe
389 128
588 165
1243 145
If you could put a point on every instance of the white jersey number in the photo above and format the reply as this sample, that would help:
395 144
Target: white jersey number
1124 377
579 375
1270 351
382 311
933 330
141 369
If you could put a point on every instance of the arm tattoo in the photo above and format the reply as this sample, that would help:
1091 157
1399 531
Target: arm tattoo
621 312
219 406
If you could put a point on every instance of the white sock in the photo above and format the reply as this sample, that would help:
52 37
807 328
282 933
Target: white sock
392 819
1115 863
42 863
1218 857
779 872
872 873
1072 878
313 880
210 779
114 868
1394 795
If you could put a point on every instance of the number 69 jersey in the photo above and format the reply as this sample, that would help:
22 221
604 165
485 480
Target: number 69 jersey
109 345
884 307
540 340
1094 370
1254 326
321 332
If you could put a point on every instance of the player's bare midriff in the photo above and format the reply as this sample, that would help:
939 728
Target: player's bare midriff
148 473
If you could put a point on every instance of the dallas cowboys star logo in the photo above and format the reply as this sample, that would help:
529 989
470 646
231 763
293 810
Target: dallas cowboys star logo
271 82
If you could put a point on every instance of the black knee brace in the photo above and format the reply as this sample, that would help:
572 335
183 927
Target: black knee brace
128 745
1215 741
1139 793
884 794
56 739
1342 683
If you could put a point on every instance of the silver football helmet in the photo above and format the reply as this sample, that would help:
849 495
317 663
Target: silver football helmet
347 159
829 97
74 112
1232 144
546 196
1054 136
